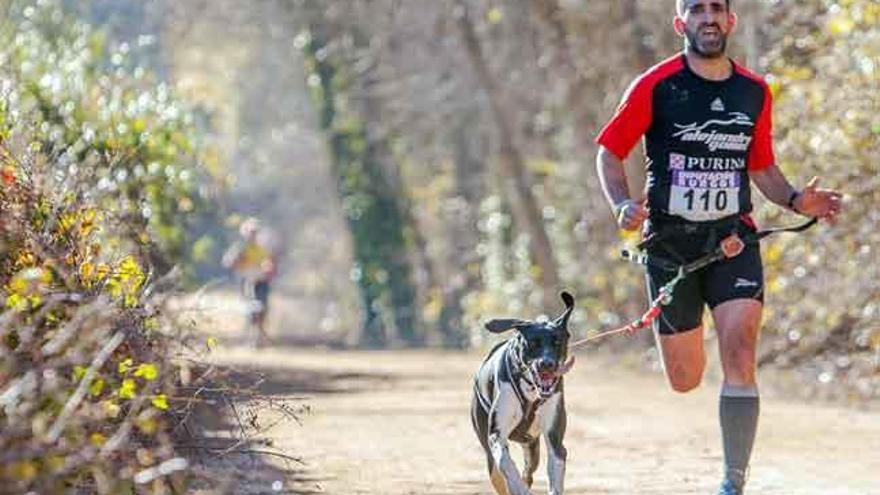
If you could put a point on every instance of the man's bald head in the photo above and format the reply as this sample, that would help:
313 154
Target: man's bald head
681 4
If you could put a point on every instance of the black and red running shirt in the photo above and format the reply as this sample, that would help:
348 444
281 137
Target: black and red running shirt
702 138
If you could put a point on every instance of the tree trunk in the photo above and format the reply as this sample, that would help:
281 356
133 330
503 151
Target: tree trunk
524 207
470 187
373 209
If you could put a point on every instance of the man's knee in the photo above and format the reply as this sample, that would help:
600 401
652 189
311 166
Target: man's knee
683 379
684 359
686 383
740 367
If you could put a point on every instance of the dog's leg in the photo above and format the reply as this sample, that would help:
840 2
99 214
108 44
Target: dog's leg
498 482
532 453
505 466
553 426
505 415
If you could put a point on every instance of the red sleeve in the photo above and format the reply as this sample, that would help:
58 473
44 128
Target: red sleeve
761 153
631 121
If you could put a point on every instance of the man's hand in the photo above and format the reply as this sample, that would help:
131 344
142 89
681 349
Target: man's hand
630 214
820 203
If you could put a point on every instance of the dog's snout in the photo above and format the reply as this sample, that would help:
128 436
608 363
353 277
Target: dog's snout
545 365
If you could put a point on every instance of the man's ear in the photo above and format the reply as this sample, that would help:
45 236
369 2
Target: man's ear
734 20
500 325
679 25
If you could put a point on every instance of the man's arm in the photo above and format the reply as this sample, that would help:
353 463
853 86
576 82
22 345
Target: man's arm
773 185
811 201
232 256
612 176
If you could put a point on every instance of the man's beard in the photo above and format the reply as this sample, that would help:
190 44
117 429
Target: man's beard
707 49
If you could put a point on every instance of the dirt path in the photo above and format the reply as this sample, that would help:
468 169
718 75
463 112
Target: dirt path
396 422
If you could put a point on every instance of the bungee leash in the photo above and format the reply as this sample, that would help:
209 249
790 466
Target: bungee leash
728 248
663 298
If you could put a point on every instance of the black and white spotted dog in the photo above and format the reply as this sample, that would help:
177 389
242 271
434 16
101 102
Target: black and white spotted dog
518 396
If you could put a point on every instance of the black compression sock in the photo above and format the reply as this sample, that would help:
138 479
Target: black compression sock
738 410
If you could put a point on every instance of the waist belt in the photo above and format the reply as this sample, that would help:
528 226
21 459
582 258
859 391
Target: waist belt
713 253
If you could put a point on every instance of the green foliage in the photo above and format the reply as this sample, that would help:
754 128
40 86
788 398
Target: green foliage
108 130
822 286
82 372
99 180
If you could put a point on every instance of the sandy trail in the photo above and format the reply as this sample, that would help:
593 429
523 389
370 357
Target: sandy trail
396 422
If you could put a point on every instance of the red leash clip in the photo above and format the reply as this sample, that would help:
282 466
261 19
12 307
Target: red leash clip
732 246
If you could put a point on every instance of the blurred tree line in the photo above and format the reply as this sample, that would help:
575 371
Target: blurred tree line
431 163
461 141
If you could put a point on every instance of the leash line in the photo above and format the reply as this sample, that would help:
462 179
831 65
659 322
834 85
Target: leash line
665 293
663 298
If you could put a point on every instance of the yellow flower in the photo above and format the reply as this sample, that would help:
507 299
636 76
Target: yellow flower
147 371
494 15
841 25
24 470
114 288
128 389
129 270
101 271
16 302
151 324
147 425
18 285
129 301
86 270
66 222
79 372
88 223
96 387
124 365
25 258
161 402
111 408
98 439
35 301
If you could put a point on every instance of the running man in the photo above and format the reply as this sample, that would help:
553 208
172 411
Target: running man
706 122
254 259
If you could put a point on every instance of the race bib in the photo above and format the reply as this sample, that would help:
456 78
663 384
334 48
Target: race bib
700 196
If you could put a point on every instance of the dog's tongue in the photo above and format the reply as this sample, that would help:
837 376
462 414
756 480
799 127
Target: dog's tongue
546 376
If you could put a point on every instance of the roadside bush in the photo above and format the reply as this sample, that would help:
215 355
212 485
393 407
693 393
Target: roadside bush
99 182
83 382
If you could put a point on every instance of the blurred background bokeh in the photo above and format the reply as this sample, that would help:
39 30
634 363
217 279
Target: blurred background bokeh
426 165
429 164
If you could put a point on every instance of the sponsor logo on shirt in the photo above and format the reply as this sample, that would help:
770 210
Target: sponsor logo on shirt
706 180
678 161
717 105
714 139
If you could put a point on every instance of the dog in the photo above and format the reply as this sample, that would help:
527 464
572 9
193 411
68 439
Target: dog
518 395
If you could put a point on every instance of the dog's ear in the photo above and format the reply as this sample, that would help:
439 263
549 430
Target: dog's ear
499 325
568 299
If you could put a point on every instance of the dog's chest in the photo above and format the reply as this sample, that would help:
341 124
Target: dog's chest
535 414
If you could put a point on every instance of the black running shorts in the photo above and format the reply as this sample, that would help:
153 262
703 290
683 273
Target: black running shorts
741 277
